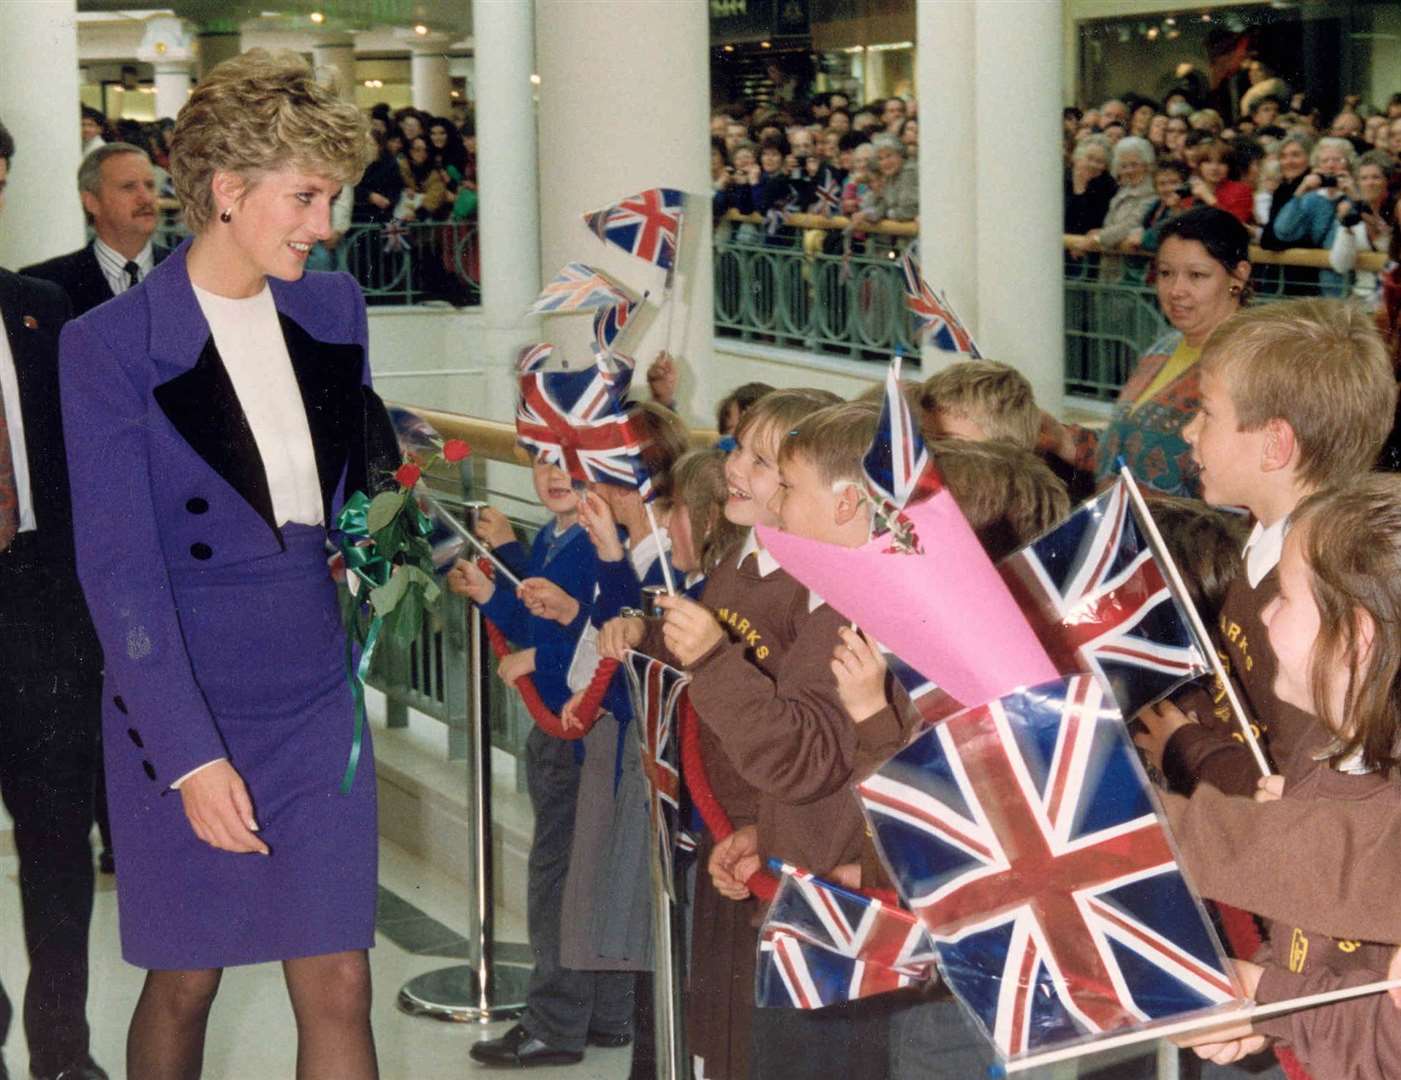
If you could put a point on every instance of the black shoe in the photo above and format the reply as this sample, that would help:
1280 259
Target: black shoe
107 863
519 1049
83 1070
609 1039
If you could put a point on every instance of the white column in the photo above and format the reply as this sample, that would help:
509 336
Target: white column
509 205
615 121
1019 188
432 84
169 46
39 105
948 194
337 55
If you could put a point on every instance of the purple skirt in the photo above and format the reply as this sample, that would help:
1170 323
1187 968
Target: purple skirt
268 651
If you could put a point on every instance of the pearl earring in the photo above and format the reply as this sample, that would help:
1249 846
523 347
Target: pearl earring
225 216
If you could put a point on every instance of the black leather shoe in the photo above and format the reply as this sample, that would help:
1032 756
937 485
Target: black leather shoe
84 1070
519 1049
610 1040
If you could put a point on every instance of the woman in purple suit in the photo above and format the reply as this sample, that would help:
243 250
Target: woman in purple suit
216 418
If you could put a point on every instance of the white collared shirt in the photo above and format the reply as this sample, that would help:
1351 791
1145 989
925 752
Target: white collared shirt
113 264
14 418
1263 549
767 563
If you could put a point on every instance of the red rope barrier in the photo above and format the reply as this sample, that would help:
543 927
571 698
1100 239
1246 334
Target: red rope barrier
545 719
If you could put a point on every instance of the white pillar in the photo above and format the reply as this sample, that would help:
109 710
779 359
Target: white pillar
337 55
1019 189
432 84
39 105
615 121
169 46
948 196
509 204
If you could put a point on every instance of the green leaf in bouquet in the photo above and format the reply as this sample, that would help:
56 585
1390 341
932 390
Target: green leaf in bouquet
386 598
408 618
384 508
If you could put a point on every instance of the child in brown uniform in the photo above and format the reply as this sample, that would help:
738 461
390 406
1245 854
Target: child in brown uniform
1293 396
761 609
791 738
1335 629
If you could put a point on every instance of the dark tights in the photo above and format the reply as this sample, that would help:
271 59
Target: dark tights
330 1000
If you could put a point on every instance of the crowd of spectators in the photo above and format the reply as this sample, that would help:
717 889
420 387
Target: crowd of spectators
1293 180
426 169
828 156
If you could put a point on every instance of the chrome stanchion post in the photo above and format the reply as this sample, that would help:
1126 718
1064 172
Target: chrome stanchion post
666 939
489 990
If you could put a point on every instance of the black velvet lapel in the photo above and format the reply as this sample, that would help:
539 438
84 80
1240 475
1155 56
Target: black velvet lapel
205 410
328 376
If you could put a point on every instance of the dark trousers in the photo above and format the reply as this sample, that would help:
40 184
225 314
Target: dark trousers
48 740
562 1005
850 1041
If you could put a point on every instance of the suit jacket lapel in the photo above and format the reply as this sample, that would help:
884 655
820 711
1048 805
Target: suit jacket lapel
92 284
203 407
328 376
37 376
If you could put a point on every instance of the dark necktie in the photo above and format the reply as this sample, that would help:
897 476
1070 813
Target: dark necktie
133 274
9 493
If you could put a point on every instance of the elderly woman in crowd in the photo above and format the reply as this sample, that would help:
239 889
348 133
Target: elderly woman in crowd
1132 169
1088 187
894 184
1202 277
217 417
1321 202
1366 223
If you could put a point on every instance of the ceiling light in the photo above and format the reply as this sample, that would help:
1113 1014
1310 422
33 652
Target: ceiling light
420 30
317 17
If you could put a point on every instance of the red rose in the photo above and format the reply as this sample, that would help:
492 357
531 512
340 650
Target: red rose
454 450
408 474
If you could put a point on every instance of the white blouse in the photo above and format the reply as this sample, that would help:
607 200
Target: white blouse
249 339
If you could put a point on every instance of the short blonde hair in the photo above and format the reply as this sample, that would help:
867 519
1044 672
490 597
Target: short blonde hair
257 113
780 411
1008 495
1320 366
834 440
996 396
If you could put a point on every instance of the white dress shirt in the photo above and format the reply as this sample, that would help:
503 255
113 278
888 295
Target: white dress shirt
250 342
113 265
1263 550
9 387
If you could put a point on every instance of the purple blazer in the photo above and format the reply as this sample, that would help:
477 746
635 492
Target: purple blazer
166 476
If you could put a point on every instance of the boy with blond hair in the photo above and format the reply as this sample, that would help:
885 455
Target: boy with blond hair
980 400
1294 397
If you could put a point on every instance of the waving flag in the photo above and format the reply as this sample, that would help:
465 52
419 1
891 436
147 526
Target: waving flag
610 322
534 357
1097 597
1023 835
827 194
933 313
576 420
897 466
647 224
578 287
656 694
822 945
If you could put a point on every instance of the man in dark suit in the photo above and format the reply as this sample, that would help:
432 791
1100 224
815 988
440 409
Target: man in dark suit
50 680
118 189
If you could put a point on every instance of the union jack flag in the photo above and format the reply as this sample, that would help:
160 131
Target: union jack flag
610 322
576 420
1023 835
822 945
656 694
578 287
1097 598
828 193
647 224
396 236
897 466
933 313
533 357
